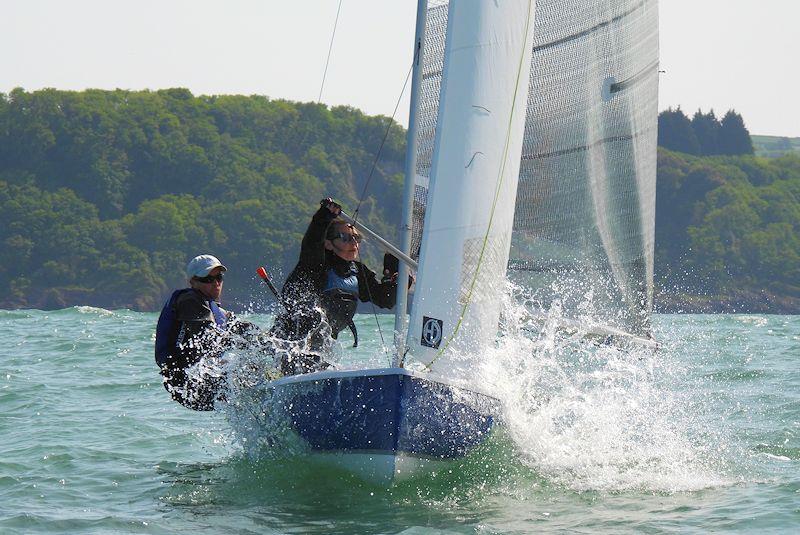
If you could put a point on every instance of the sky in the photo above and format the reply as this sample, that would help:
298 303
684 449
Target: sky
716 54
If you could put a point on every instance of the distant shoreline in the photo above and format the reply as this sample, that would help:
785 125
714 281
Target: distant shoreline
665 303
740 303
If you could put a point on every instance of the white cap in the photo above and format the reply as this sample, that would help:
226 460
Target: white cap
201 266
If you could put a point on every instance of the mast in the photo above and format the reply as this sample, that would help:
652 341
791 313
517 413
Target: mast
410 174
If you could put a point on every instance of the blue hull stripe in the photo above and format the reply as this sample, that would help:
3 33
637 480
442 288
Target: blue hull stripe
388 414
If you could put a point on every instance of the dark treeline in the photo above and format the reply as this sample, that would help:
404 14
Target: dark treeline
104 196
704 134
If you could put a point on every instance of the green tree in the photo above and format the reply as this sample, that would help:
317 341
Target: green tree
706 128
675 132
734 138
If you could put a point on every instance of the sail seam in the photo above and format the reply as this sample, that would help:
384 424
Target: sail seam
583 148
593 29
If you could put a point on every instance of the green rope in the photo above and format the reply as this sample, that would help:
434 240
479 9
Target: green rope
468 300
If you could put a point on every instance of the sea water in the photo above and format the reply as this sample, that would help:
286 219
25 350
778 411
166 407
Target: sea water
701 435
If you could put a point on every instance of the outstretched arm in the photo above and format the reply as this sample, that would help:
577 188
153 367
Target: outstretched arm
312 249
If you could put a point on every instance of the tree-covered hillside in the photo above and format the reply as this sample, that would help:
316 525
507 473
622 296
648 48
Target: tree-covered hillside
728 233
726 222
104 195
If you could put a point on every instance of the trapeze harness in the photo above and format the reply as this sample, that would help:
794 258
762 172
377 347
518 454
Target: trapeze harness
340 299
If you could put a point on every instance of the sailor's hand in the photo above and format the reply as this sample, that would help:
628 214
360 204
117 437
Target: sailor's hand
331 205
388 276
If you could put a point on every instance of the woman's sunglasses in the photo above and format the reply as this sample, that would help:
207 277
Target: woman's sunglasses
347 238
210 278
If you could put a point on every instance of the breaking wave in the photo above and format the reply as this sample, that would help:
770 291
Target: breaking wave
591 416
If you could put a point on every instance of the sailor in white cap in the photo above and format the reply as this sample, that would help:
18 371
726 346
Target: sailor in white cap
193 325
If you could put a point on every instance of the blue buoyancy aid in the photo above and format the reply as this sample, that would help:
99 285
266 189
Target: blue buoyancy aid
167 329
168 325
347 282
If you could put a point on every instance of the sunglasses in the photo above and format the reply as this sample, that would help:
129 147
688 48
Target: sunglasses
347 238
210 278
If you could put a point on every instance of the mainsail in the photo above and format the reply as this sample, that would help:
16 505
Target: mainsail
584 217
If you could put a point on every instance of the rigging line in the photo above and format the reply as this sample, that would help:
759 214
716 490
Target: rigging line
385 135
501 173
330 49
369 177
375 315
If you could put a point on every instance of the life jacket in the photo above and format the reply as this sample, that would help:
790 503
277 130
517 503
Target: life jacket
167 329
168 326
340 298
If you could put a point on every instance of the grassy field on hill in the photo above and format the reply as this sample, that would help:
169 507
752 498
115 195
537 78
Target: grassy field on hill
775 146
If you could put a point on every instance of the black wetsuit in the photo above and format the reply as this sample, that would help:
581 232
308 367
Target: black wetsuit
320 297
192 326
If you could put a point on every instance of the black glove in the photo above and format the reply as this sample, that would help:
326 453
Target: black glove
334 207
391 266
390 263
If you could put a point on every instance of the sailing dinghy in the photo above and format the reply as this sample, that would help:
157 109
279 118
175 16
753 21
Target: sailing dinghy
546 105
